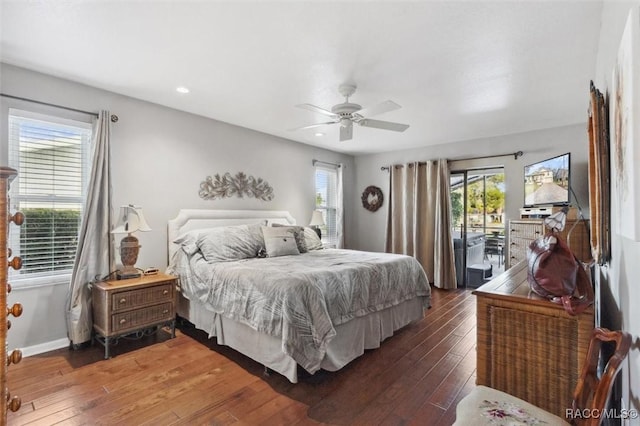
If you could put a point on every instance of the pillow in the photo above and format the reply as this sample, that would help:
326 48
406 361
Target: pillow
298 234
279 241
230 242
312 240
187 241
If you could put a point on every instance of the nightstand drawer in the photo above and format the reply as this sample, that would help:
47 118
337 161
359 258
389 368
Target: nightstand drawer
130 299
142 317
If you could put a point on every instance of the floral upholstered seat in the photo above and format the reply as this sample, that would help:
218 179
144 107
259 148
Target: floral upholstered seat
487 406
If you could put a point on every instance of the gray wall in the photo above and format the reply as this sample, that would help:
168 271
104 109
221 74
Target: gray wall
160 156
618 281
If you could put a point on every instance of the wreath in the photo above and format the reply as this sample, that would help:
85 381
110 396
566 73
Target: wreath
372 198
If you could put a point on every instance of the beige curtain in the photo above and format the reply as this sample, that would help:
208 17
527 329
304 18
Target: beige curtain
419 220
93 256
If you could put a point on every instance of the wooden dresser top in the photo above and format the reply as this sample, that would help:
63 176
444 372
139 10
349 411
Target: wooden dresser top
512 285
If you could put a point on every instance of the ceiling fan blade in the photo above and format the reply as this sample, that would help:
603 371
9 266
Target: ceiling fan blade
383 107
346 133
311 126
317 109
386 125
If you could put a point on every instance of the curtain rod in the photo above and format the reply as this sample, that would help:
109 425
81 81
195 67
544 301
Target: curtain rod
516 155
314 162
114 118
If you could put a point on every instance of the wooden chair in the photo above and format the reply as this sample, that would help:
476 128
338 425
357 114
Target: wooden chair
488 406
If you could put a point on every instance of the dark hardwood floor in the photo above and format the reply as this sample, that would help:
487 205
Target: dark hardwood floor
415 377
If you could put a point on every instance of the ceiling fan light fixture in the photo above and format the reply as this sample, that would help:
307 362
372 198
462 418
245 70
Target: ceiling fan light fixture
346 122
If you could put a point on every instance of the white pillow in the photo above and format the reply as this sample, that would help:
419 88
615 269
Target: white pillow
298 234
279 241
312 240
187 241
230 242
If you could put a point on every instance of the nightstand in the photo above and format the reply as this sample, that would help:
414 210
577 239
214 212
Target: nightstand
125 307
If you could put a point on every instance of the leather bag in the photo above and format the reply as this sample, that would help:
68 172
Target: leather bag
555 273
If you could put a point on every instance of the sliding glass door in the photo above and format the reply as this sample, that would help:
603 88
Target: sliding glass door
477 205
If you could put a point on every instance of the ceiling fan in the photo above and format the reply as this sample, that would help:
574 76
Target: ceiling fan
346 114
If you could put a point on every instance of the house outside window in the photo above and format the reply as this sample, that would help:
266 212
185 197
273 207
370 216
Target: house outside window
51 155
328 202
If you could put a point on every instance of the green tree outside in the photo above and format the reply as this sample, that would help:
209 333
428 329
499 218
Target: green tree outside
49 239
480 200
456 207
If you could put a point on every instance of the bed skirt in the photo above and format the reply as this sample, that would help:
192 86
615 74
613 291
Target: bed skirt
351 340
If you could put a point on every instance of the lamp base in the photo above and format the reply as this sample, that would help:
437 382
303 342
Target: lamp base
127 273
129 249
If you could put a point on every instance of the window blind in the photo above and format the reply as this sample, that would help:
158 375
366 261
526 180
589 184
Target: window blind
327 203
51 156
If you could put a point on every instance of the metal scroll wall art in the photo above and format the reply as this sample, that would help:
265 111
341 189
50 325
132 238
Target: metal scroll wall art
239 185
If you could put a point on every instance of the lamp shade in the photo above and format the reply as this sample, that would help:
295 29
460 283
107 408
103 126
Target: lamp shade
130 219
316 218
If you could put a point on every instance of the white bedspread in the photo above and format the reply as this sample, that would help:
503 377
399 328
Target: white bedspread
301 298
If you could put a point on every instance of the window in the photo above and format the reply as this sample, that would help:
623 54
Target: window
51 156
327 203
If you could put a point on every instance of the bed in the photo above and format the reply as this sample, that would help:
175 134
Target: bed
319 309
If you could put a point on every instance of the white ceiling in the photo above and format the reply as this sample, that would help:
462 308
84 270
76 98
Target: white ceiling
460 70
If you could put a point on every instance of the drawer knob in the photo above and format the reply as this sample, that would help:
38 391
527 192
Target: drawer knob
123 300
15 310
165 292
123 320
15 357
15 263
17 218
14 404
166 311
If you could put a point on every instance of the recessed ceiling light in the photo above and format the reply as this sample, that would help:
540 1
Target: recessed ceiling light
318 134
182 89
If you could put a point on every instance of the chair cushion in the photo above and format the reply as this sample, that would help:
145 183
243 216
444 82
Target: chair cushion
487 406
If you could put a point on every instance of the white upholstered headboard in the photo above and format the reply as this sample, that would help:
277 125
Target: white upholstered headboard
192 219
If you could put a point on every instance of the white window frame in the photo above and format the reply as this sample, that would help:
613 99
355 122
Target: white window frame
329 208
22 279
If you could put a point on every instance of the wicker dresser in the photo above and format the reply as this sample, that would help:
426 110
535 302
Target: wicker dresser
528 346
125 307
523 231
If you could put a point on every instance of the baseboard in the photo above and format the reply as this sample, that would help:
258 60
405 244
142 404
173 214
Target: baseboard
45 347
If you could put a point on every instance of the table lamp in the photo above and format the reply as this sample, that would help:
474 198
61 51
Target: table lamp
130 220
316 222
